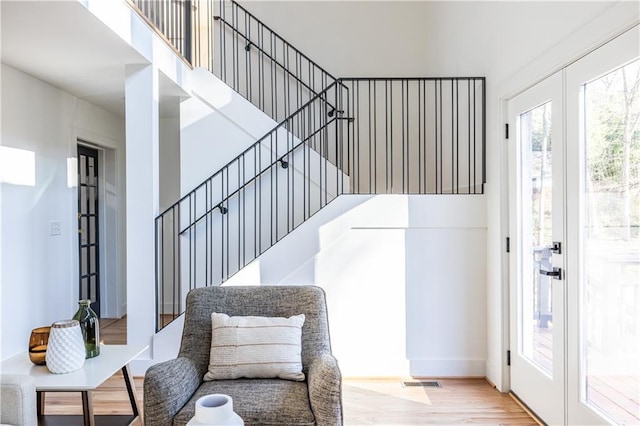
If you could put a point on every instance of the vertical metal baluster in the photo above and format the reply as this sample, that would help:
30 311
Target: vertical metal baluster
424 113
271 172
300 87
369 124
374 123
207 218
227 227
287 82
386 136
259 202
159 270
484 133
438 126
402 117
177 247
289 134
475 155
240 212
457 184
307 166
272 72
325 132
247 57
452 133
419 137
356 142
234 50
391 132
469 136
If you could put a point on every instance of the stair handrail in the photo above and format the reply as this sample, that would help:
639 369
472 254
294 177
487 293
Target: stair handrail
255 177
253 146
284 68
293 63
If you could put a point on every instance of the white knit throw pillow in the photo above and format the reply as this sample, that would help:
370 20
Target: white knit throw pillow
255 347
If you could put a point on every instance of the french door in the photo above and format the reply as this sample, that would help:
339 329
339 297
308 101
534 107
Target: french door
574 162
537 234
88 225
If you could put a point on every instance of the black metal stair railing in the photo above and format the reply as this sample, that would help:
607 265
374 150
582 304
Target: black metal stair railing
250 204
416 135
258 63
394 135
336 136
229 41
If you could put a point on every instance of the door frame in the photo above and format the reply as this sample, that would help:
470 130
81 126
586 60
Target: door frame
571 389
99 225
111 243
548 90
572 48
575 46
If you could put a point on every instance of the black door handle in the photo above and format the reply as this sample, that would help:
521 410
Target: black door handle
556 273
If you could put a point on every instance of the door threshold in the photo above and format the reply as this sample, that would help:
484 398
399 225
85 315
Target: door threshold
526 408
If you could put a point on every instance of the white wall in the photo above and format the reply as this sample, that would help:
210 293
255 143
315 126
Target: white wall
217 124
512 44
39 271
399 302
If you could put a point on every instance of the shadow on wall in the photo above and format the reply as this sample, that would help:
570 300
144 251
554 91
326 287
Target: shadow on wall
404 277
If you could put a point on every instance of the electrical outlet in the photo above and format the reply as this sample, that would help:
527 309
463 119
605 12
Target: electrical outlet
55 228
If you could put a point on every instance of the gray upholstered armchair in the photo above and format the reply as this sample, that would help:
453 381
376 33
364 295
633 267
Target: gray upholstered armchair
172 388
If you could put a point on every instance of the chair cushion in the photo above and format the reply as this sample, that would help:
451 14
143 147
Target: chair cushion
255 347
258 401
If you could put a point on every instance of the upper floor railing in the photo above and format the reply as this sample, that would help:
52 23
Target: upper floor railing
174 20
226 39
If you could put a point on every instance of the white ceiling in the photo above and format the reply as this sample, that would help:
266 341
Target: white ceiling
62 43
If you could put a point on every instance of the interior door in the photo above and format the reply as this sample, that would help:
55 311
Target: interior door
88 225
536 194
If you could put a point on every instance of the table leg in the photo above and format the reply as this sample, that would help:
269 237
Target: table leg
40 402
87 408
131 390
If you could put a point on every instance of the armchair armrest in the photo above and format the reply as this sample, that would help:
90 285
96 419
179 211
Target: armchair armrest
18 400
325 390
167 387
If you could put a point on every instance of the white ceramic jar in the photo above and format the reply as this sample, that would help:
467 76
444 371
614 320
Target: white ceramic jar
215 410
65 350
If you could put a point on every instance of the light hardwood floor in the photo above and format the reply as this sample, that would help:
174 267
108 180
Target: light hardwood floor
366 401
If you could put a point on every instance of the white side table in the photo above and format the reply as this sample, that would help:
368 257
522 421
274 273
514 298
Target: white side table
94 372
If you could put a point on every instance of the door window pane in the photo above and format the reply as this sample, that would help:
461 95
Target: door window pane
537 179
610 284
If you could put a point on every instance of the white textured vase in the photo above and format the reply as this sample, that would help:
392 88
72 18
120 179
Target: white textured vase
65 350
215 410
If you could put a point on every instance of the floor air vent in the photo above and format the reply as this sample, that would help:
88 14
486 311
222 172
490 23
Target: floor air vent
422 384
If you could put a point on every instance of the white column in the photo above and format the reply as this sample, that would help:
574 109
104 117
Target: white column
142 183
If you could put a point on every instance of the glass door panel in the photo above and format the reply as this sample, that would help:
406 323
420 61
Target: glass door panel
536 221
537 203
610 231
603 172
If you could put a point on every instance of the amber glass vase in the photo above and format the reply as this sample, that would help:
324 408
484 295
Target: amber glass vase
38 345
90 327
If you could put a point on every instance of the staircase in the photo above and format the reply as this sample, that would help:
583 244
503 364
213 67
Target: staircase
334 136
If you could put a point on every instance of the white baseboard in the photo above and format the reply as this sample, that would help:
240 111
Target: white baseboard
447 368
